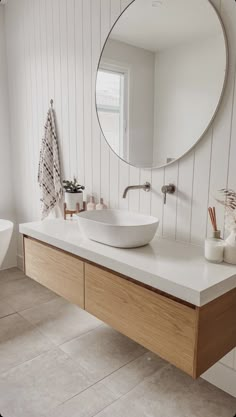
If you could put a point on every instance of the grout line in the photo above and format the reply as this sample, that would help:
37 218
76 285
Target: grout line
53 348
29 308
100 381
2 374
35 327
7 315
135 386
223 364
55 345
78 337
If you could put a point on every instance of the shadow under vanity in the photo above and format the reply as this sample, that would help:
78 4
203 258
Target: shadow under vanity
164 296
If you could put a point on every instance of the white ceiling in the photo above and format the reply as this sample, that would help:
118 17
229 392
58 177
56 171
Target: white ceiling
170 23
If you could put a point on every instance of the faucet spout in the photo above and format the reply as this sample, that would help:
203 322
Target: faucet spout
146 187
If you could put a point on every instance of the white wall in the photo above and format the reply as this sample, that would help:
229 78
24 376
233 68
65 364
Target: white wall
6 179
51 56
189 80
141 67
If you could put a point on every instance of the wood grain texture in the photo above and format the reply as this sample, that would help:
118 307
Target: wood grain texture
216 331
56 270
189 337
156 322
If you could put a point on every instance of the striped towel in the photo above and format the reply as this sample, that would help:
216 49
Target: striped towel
49 176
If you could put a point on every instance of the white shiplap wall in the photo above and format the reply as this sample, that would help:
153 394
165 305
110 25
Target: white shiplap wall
53 49
7 210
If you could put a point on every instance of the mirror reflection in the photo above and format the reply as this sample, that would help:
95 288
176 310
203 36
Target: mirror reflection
160 79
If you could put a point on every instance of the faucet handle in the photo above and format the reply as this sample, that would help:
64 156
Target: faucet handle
147 187
168 189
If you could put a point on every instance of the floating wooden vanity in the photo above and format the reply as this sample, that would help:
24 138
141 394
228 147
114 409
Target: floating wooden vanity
189 336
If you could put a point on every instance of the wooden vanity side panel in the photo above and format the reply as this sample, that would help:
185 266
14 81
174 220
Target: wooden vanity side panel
164 326
216 331
56 270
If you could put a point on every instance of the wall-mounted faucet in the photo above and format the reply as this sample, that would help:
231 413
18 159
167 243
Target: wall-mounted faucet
146 187
168 189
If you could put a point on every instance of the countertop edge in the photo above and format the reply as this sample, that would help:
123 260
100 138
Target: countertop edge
197 298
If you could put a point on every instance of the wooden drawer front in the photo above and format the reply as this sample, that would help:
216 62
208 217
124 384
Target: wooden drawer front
56 270
160 324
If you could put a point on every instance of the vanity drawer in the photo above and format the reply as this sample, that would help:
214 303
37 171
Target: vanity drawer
160 324
56 270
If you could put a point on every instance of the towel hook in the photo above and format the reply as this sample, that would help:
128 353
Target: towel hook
51 102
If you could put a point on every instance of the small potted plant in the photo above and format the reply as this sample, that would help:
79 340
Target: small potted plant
73 194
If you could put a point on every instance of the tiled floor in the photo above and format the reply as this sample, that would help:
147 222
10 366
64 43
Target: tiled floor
56 360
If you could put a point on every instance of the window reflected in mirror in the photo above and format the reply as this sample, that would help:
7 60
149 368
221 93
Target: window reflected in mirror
160 79
112 107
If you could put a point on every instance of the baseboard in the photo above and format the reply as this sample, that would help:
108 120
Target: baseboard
20 262
222 377
8 266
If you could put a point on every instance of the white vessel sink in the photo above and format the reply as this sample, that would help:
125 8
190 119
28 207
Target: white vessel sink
121 229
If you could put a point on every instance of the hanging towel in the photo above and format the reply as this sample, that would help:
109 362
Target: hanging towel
49 175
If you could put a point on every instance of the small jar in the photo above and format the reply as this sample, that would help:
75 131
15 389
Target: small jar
91 205
214 248
100 205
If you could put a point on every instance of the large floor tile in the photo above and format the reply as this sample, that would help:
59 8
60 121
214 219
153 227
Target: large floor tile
127 377
87 404
40 385
5 309
24 293
171 393
11 274
103 351
19 342
61 321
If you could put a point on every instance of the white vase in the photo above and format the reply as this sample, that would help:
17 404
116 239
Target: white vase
230 248
71 200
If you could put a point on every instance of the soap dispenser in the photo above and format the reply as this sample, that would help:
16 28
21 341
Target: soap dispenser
91 205
101 205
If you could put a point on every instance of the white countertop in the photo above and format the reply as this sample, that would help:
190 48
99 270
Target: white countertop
175 268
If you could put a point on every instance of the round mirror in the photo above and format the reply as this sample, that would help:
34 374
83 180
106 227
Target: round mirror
160 79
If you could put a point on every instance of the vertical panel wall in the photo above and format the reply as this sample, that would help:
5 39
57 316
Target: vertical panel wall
7 210
53 49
